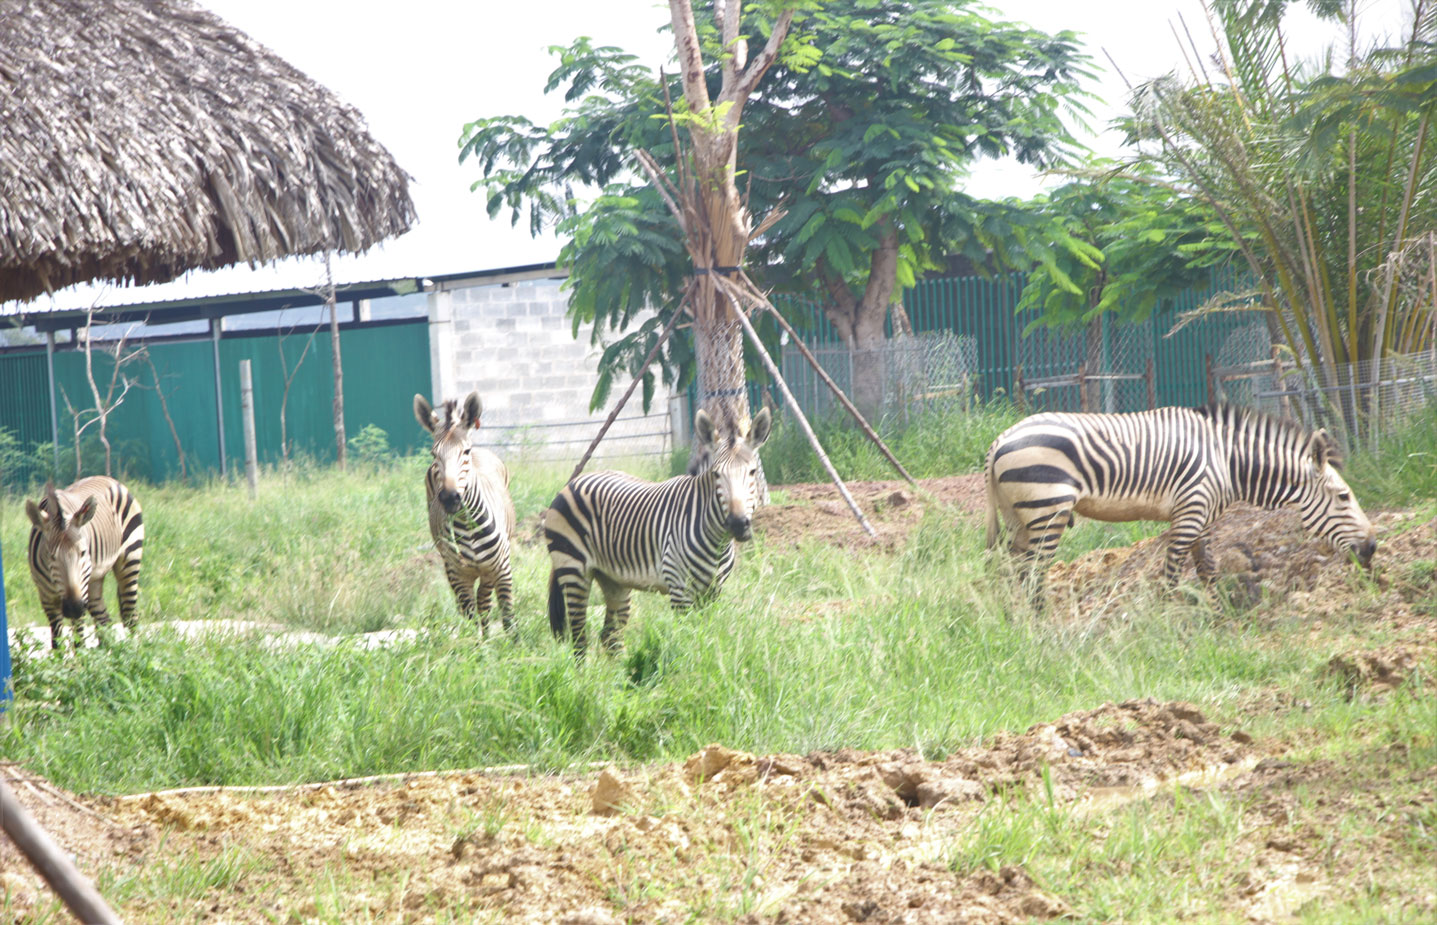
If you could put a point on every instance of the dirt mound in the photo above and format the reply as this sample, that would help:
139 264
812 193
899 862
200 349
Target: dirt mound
827 837
816 511
1264 554
1376 672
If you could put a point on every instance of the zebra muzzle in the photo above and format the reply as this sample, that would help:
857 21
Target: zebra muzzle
740 527
450 500
72 608
1365 550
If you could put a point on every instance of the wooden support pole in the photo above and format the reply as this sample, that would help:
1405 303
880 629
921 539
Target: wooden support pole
251 455
838 393
1083 404
1151 378
73 887
1211 380
613 415
803 421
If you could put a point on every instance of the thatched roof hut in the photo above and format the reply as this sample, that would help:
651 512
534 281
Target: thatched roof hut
140 139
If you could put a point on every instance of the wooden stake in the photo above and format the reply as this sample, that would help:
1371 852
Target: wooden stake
803 421
613 415
852 409
73 887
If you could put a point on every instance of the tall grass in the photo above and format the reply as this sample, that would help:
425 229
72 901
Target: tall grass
806 649
1402 469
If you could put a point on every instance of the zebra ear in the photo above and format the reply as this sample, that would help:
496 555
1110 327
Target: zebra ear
37 516
704 428
85 513
1324 450
758 431
424 414
473 408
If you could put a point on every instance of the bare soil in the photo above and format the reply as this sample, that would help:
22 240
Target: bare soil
823 838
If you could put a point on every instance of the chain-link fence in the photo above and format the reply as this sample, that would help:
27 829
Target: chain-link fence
633 435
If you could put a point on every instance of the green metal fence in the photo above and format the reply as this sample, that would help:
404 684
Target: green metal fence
384 365
1004 357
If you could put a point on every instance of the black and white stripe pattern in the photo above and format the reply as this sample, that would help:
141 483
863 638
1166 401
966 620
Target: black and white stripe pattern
627 534
471 516
1183 465
77 537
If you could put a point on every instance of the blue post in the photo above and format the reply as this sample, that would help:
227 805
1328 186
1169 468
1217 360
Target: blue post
6 688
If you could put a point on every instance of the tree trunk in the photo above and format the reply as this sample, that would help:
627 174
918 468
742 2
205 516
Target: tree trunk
339 441
860 321
718 225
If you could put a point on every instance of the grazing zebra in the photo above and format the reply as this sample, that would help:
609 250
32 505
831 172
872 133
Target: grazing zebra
77 537
674 536
471 515
1183 465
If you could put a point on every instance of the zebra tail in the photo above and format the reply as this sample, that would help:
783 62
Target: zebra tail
558 613
992 497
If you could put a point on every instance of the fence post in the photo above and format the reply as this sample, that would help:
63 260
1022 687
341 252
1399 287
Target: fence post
1150 377
1020 394
251 456
6 691
1279 376
1211 382
1083 404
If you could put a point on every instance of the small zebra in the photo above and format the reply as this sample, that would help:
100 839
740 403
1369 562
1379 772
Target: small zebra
471 515
1182 465
77 537
674 536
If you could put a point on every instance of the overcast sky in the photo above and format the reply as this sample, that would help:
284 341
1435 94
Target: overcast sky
419 70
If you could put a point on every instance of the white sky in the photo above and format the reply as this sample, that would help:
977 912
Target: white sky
419 70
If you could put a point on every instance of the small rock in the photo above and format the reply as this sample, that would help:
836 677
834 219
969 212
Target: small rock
710 761
899 498
1240 737
610 794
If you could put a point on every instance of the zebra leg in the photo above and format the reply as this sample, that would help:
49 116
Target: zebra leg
57 622
463 587
1203 560
1188 528
575 587
483 600
504 596
98 612
127 581
616 614
1036 542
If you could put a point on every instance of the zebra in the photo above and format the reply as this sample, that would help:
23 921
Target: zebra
628 534
1182 465
471 516
78 536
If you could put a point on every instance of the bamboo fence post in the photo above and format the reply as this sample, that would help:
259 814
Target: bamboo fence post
251 456
613 415
72 886
803 422
1150 377
837 392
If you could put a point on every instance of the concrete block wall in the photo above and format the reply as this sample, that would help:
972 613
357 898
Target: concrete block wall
514 343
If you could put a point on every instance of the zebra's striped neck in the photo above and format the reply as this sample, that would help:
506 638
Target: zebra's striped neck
1264 458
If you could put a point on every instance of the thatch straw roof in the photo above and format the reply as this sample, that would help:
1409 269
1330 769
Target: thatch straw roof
143 138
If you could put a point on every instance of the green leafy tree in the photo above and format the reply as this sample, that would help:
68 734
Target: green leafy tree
854 147
1321 176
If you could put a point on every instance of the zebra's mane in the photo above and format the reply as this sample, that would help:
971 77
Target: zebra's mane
450 415
1237 417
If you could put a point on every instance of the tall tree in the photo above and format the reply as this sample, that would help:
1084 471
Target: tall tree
855 143
1320 174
